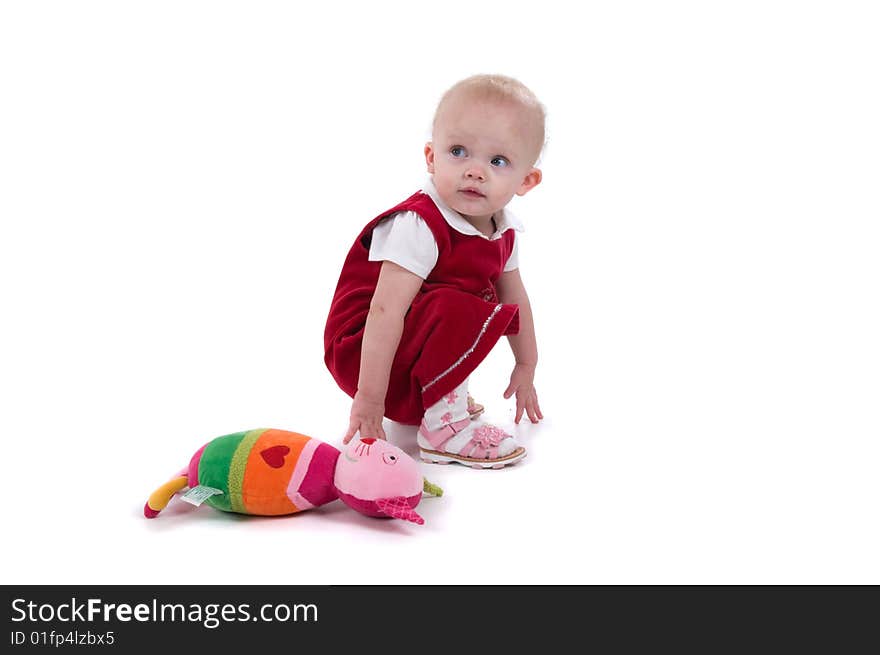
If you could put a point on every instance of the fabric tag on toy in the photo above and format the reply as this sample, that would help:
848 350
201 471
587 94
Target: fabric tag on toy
197 495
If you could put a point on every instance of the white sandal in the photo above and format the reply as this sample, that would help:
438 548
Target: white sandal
474 409
480 451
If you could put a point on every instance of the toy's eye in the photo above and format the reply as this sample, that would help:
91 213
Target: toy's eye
388 458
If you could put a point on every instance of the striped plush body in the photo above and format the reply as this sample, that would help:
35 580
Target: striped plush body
272 472
266 472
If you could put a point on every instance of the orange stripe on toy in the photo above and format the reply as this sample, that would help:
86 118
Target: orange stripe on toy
269 468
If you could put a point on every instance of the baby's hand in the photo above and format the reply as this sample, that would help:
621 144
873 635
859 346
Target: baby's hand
521 384
366 417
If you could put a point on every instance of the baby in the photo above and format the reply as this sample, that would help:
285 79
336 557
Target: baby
430 285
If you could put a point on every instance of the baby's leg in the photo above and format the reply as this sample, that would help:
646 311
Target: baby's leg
449 409
448 434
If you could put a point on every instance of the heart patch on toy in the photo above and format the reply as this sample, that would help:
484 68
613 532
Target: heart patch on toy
275 455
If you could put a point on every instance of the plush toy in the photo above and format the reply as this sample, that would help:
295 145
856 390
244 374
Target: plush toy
274 472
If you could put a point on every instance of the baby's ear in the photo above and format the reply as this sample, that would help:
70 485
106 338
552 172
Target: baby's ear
530 181
429 156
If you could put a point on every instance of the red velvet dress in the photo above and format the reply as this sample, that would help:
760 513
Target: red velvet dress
452 324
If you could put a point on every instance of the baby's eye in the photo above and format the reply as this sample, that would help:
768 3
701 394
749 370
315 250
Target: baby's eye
499 161
457 151
388 458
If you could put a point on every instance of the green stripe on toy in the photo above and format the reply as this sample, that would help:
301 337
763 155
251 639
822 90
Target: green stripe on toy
236 469
214 468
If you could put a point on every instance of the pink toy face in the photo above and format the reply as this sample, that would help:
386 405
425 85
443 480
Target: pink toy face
378 479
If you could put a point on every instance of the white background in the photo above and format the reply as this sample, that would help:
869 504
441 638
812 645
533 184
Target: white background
180 181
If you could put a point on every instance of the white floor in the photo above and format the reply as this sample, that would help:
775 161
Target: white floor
701 257
653 470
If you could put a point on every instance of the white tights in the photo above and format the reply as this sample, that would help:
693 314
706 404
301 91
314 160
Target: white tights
450 408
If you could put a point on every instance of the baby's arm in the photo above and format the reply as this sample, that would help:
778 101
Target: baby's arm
394 294
511 290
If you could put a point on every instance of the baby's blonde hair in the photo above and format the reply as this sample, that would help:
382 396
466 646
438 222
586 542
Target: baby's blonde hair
500 88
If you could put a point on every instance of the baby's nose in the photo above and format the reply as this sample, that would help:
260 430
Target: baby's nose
475 174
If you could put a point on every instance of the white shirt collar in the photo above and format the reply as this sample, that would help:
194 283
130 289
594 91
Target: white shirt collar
504 218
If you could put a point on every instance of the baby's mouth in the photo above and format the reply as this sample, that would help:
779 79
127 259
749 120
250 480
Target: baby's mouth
471 193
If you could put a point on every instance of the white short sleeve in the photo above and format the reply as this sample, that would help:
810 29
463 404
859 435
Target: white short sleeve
513 261
406 240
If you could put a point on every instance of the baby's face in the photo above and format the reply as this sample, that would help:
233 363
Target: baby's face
482 155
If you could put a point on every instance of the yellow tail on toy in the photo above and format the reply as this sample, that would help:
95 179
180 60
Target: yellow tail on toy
160 498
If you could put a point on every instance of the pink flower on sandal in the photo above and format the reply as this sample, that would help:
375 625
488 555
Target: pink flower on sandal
488 436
